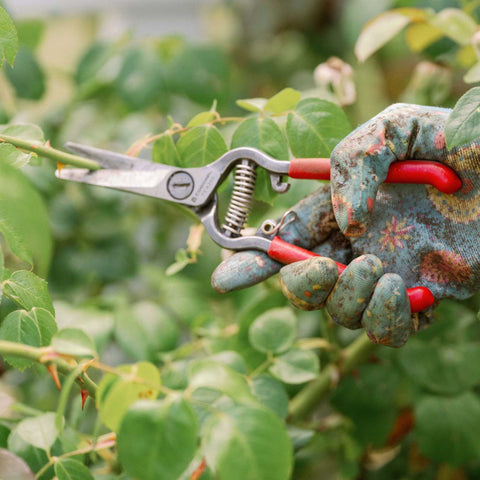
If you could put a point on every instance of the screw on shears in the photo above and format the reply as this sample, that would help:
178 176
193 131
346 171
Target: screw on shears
196 189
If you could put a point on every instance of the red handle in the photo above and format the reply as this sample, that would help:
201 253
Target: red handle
440 176
420 297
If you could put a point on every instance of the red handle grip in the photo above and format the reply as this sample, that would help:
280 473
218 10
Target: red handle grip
440 176
420 297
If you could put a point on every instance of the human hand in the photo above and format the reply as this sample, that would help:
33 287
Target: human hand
427 238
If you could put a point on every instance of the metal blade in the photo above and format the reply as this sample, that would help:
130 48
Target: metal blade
112 160
149 183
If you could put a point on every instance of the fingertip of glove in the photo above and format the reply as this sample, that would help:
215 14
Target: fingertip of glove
242 270
387 319
351 221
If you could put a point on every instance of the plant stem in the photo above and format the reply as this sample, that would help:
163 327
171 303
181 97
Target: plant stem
37 354
306 400
51 153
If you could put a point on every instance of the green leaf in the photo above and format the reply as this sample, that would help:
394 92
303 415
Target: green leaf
13 467
271 393
315 128
378 31
71 469
455 24
200 146
421 35
26 77
473 74
252 104
445 369
145 330
116 394
296 366
93 66
34 328
30 32
73 342
274 331
40 431
8 38
244 442
141 81
368 399
207 373
23 219
25 131
446 428
13 156
264 134
28 290
164 151
202 118
463 123
284 100
231 359
158 440
202 73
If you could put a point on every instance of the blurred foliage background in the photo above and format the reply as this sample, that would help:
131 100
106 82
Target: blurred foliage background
410 414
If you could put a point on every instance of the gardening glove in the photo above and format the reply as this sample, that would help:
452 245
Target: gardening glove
417 234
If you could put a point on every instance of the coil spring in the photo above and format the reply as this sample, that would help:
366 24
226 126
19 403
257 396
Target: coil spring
242 198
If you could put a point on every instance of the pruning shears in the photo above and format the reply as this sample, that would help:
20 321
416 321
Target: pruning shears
195 188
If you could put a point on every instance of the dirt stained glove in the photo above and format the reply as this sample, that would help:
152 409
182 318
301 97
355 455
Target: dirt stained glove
394 236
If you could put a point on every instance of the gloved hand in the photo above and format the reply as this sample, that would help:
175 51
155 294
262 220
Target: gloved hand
420 236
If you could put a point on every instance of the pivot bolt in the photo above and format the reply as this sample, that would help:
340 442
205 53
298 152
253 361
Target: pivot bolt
180 185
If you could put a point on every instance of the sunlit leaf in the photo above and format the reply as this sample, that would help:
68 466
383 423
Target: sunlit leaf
463 123
252 104
455 24
378 31
420 35
140 381
283 101
473 74
8 38
39 431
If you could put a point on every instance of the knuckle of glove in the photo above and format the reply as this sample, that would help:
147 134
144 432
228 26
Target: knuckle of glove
307 284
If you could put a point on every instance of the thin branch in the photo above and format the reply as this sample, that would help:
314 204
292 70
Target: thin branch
51 153
309 397
43 357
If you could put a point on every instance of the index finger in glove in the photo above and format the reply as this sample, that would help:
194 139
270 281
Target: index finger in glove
314 228
360 162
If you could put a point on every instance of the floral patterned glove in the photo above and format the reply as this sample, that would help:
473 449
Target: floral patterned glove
399 235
